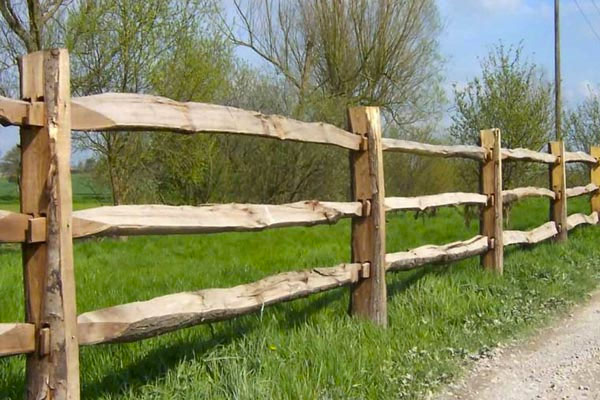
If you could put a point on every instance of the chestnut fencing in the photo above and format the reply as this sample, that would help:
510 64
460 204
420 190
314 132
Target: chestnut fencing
46 224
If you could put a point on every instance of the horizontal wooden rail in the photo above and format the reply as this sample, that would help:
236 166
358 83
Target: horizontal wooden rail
16 339
528 155
509 196
161 219
536 235
144 319
437 200
13 112
13 227
581 190
406 260
574 220
579 156
122 111
459 151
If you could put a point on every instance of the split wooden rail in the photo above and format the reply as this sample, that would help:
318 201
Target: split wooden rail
46 225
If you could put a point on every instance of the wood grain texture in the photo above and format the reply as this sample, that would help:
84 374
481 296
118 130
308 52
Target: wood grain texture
124 111
369 295
60 373
539 234
35 163
406 260
16 339
13 112
490 224
582 190
574 220
580 156
167 220
558 184
528 155
161 219
509 196
144 319
425 149
421 203
13 227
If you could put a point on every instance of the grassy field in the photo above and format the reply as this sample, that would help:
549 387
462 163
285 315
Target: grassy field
439 317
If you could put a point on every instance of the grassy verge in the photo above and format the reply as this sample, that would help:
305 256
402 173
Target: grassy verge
310 348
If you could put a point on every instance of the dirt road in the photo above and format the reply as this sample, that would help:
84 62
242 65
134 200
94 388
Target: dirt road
561 362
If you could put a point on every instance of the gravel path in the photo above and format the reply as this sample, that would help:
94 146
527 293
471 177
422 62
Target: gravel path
562 362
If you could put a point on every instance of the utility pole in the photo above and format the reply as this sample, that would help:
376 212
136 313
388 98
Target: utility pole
557 80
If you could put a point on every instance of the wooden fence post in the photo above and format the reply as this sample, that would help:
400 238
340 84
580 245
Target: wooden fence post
491 214
595 179
369 294
53 369
558 184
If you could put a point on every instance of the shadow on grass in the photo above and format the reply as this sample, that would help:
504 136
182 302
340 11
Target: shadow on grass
158 362
155 364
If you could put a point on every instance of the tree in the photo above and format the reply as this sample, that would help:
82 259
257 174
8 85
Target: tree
329 55
339 53
141 46
511 94
582 125
10 166
25 27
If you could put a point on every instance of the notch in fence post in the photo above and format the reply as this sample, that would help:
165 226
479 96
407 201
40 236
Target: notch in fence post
369 294
595 179
558 184
491 214
46 192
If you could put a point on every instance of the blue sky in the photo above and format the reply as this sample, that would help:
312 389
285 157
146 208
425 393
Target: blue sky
472 27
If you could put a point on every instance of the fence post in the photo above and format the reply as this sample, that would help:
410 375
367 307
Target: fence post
595 179
491 214
53 369
558 184
369 294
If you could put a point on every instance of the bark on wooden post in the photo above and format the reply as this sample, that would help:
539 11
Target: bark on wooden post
53 369
595 179
558 184
369 295
491 214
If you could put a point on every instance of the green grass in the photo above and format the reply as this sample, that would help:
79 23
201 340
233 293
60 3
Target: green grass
311 348
85 193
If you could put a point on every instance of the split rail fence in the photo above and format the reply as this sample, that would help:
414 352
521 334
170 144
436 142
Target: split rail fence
46 224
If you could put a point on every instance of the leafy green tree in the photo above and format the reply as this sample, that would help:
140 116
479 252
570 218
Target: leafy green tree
511 94
582 124
155 46
10 165
187 169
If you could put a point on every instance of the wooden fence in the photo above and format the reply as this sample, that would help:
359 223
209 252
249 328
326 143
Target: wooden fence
46 225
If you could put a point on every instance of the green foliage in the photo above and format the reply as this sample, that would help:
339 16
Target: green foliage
511 94
581 125
164 47
10 165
